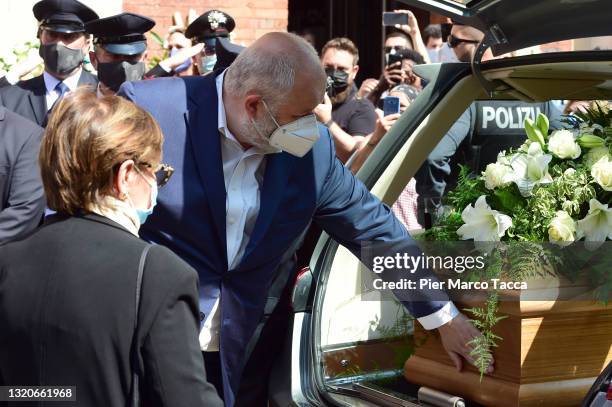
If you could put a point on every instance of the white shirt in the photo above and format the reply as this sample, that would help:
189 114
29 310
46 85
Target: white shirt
243 172
51 82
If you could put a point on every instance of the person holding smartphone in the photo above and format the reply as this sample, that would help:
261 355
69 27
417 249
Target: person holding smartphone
406 37
348 117
388 112
399 71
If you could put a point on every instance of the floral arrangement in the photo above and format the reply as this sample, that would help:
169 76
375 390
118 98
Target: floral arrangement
555 188
553 191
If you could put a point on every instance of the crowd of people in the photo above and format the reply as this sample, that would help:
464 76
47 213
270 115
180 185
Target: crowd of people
132 289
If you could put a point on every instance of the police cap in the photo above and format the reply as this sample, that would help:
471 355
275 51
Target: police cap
66 16
210 25
121 34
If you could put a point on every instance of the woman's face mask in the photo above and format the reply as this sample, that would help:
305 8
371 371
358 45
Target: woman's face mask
143 214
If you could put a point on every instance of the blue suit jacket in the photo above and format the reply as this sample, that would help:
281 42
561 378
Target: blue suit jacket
190 214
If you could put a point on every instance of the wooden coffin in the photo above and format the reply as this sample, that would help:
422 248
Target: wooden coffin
551 353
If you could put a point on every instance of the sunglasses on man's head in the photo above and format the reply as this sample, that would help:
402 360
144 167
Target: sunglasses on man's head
454 41
396 48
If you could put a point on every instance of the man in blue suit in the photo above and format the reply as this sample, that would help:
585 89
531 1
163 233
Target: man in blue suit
253 169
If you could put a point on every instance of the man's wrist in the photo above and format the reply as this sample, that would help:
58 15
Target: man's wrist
329 122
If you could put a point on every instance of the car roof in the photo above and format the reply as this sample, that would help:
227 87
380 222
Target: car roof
510 25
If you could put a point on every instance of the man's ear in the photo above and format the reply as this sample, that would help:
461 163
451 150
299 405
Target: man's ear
354 71
252 104
144 56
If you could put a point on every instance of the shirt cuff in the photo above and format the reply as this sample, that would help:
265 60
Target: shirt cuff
440 317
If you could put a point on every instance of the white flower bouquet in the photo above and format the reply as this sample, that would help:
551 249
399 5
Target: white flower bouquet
555 188
538 206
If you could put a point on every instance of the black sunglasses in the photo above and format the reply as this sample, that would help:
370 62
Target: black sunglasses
395 47
162 173
454 41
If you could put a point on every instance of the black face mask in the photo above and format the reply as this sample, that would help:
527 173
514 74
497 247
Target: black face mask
113 74
60 59
337 81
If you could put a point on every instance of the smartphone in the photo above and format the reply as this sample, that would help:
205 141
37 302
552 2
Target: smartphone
391 105
392 19
393 58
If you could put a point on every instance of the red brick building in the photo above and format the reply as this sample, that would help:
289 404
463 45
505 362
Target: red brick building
253 17
360 20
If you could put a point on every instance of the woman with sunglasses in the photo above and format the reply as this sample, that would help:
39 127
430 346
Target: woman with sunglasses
85 304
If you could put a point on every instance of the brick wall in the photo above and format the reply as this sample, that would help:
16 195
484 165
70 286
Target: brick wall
253 17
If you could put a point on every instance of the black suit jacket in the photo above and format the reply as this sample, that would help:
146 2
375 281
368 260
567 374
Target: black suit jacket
67 309
22 199
27 98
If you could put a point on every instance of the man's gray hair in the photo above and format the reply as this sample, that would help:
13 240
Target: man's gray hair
270 73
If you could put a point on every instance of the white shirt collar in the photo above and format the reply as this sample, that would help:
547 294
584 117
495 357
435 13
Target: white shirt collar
72 81
222 119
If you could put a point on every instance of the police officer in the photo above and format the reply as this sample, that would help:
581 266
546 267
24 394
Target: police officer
119 49
22 198
63 47
481 132
206 29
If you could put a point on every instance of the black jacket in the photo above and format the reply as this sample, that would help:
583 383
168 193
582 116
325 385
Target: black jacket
27 98
22 199
67 295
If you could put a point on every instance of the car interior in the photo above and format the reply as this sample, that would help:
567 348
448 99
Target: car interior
364 336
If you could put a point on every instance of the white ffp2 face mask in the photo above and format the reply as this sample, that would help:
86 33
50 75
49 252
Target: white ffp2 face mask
296 137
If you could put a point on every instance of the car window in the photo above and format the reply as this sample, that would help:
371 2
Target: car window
364 335
485 129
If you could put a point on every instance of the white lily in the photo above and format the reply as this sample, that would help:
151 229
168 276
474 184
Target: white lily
483 224
531 169
597 224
